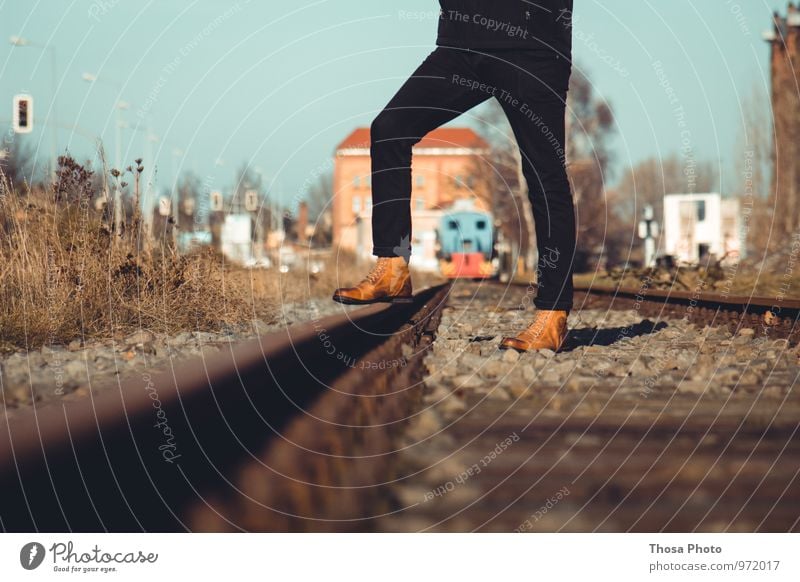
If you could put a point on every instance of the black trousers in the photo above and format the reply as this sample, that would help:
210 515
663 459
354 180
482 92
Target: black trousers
531 87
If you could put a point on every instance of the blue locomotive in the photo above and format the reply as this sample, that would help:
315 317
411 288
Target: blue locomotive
465 238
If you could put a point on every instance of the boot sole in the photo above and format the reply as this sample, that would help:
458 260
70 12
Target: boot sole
392 300
521 351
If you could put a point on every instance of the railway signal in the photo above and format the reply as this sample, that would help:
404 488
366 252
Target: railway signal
648 230
216 201
23 113
251 200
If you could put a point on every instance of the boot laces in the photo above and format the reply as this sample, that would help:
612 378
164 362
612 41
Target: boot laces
538 324
377 271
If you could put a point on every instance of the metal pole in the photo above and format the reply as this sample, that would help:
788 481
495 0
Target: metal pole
147 197
648 230
119 105
118 165
649 251
175 197
54 80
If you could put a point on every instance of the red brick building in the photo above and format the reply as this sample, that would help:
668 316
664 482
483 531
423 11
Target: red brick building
448 164
785 60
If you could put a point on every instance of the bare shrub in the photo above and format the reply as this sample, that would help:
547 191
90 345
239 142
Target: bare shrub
65 273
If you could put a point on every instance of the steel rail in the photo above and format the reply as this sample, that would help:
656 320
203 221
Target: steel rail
779 317
141 455
751 304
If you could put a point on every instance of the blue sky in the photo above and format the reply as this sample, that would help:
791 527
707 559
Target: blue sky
279 84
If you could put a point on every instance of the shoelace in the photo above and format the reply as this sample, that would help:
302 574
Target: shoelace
376 272
538 324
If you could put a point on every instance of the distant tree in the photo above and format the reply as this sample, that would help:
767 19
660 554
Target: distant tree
590 127
190 190
754 167
318 198
319 195
649 180
247 179
16 161
590 123
505 186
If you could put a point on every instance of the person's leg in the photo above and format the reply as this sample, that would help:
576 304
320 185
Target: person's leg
440 90
537 118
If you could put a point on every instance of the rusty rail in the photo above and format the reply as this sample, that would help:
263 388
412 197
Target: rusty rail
778 315
164 452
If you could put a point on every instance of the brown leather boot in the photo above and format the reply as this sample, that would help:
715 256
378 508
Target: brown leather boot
389 281
547 331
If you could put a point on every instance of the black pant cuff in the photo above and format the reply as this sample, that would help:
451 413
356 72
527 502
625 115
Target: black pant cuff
552 305
388 252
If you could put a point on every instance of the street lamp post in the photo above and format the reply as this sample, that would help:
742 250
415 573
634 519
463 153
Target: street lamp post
146 199
19 41
175 197
149 138
119 107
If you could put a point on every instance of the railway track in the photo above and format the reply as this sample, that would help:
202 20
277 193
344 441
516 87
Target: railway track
664 412
285 432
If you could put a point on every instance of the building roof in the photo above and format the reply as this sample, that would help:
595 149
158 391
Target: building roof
443 138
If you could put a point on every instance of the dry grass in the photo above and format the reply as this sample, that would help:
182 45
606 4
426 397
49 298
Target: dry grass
266 290
66 273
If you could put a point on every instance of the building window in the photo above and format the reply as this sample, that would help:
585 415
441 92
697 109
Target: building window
480 225
368 180
459 181
356 204
420 203
420 181
356 182
368 203
701 210
471 182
